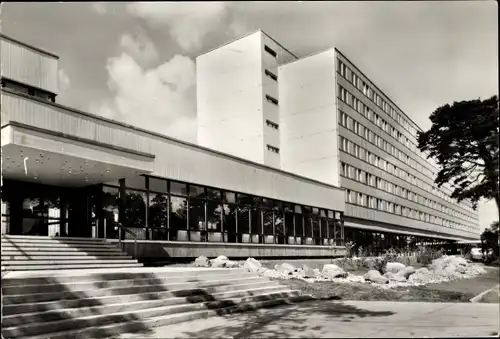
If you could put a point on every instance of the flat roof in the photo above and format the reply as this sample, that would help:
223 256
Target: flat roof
244 36
6 37
163 136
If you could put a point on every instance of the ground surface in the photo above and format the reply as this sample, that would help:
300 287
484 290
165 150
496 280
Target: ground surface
473 286
332 319
453 291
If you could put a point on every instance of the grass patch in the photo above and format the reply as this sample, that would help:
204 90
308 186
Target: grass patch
356 291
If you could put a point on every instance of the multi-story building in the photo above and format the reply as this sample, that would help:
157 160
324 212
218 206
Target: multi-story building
335 126
296 156
238 102
71 173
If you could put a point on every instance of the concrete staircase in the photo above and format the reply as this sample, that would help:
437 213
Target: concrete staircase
110 303
28 253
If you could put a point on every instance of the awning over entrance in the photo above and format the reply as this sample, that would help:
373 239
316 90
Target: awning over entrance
388 230
47 157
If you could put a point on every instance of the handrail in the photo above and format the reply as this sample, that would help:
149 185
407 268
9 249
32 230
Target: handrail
126 230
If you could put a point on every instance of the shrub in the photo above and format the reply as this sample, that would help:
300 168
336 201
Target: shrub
380 263
425 255
349 249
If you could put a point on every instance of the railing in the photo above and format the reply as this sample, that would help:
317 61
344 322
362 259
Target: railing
126 230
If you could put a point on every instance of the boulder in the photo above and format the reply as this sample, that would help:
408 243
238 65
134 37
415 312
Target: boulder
376 277
422 270
286 268
232 264
202 261
394 277
394 267
216 263
262 270
308 272
409 270
222 261
252 265
333 271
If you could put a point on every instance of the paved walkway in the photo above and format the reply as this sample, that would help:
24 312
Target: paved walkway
333 319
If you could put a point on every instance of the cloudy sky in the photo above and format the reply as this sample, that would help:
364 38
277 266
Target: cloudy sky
135 62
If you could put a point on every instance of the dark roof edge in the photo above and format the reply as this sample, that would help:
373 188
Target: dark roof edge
378 88
6 37
244 36
273 39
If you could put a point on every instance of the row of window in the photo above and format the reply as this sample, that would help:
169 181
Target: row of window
177 210
272 124
363 87
367 156
270 51
271 75
362 131
361 108
371 94
272 100
361 176
34 92
273 149
364 200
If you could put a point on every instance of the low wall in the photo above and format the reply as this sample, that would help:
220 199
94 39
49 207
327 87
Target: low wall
149 250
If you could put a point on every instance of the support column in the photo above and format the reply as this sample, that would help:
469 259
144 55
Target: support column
5 218
4 221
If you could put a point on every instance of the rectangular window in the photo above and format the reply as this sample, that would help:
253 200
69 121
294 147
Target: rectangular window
273 149
272 124
271 99
271 75
270 51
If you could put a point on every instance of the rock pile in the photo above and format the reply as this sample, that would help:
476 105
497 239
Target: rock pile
446 268
395 274
220 262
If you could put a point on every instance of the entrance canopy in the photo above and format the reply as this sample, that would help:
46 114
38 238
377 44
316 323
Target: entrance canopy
47 157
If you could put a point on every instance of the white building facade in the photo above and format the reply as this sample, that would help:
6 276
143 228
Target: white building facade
334 125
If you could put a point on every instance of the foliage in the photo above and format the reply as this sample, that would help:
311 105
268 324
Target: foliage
362 253
425 255
490 239
464 140
380 263
349 249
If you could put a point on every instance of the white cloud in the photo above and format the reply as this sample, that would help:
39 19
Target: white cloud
188 22
239 28
160 99
100 7
64 82
140 47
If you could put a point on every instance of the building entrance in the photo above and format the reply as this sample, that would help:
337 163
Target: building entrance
34 209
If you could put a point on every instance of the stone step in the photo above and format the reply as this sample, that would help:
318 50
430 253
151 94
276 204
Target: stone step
64 277
72 313
62 261
53 285
150 316
45 238
69 267
60 251
160 286
182 293
59 258
46 245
